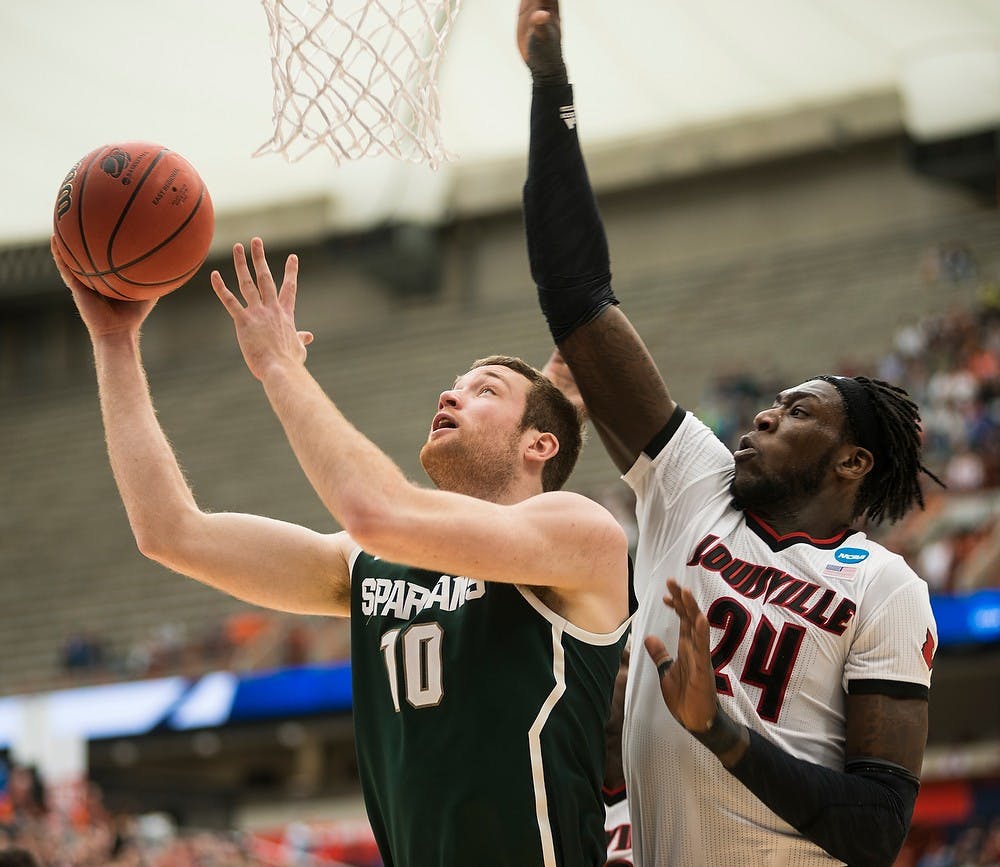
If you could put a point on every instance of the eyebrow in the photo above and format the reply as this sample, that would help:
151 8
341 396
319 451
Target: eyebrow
792 396
482 372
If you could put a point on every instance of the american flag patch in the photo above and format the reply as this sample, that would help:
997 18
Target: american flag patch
835 570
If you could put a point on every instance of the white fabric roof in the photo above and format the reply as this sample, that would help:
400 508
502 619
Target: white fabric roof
194 75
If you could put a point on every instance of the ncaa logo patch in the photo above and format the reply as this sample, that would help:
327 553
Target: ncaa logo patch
850 556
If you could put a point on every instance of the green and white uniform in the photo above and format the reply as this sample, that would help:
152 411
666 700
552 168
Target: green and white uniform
479 719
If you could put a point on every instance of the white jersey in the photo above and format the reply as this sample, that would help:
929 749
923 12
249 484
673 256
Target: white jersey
796 624
618 827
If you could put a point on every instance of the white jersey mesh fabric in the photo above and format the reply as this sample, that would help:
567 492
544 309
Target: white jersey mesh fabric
794 622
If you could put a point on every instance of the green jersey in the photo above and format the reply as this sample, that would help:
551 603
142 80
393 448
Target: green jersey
479 719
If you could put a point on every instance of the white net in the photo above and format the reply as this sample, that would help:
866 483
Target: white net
358 77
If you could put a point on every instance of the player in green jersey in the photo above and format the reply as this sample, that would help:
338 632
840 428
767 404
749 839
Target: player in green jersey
483 668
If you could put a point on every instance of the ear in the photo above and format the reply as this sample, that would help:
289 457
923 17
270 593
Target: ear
855 463
541 447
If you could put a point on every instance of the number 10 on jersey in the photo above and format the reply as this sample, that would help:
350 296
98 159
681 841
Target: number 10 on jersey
420 644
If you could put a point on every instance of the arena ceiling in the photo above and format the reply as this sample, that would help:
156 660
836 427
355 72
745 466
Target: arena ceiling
195 75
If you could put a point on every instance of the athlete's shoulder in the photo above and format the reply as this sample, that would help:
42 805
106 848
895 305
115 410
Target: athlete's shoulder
885 564
685 458
564 504
577 524
681 431
883 573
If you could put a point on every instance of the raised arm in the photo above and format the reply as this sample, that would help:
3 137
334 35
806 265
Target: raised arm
269 563
860 814
624 392
558 540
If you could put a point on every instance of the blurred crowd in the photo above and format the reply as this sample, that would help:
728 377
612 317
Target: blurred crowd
72 827
249 640
975 846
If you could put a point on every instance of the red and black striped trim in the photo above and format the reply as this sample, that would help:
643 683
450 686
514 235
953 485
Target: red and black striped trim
614 795
778 542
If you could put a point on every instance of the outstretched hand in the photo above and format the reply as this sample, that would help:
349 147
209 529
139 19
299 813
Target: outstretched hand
539 38
687 682
103 316
265 327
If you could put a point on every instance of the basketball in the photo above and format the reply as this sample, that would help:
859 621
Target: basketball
133 220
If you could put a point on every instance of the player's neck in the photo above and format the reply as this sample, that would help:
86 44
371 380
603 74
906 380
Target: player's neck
514 491
820 514
815 519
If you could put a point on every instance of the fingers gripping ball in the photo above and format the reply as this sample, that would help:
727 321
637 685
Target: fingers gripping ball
133 220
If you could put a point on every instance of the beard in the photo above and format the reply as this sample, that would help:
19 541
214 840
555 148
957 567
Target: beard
784 491
483 468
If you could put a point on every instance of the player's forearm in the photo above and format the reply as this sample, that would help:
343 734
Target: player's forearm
860 817
567 247
355 480
150 482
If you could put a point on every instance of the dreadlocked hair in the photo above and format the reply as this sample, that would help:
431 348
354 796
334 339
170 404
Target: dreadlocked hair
892 488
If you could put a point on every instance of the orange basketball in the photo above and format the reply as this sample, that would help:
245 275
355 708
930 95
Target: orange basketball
133 220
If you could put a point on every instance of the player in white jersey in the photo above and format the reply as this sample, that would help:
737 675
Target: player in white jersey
797 624
618 826
792 653
617 819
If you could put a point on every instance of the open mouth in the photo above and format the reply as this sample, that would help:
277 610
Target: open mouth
443 422
744 449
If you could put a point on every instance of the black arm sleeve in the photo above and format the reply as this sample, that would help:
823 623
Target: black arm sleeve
567 247
861 816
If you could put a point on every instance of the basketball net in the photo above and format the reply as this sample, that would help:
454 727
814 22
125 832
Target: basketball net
358 77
